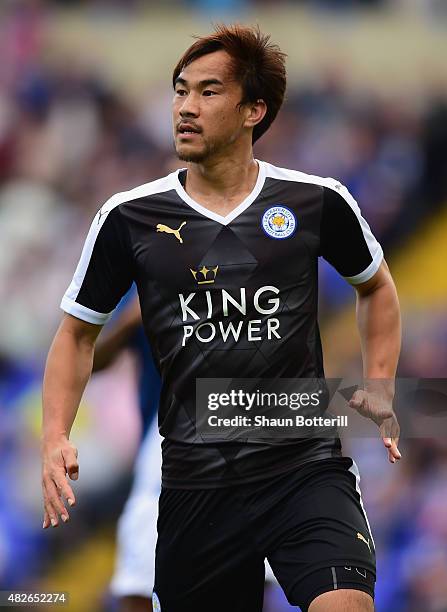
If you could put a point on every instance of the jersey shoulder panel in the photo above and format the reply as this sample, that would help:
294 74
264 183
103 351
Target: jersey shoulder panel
342 224
161 185
285 174
102 274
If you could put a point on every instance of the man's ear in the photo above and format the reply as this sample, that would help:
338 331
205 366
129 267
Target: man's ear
255 113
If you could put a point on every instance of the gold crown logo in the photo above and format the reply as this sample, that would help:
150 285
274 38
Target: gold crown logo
201 276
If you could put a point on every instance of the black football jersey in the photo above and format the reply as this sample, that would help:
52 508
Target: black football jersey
224 297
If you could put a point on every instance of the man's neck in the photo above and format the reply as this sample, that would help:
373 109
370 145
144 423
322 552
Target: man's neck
222 184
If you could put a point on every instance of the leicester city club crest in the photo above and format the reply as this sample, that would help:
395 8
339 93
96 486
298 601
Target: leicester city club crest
279 222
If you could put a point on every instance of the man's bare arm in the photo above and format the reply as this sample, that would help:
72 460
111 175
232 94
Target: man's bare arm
378 316
379 323
68 368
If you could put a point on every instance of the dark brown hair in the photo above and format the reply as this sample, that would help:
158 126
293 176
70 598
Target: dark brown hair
258 65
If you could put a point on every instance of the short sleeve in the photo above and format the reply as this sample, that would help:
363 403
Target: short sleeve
346 240
105 270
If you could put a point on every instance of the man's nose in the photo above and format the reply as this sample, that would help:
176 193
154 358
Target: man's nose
190 106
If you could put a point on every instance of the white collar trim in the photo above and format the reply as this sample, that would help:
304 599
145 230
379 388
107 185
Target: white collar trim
236 211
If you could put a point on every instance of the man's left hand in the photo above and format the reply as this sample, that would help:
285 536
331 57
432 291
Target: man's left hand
376 403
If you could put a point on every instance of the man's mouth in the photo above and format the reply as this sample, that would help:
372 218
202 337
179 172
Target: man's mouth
186 128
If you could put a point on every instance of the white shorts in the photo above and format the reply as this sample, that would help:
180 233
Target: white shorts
137 526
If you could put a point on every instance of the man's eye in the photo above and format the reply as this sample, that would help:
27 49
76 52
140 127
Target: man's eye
209 92
181 92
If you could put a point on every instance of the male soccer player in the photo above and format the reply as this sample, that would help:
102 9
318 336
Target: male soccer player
224 254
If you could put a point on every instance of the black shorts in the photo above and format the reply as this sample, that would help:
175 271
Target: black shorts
309 524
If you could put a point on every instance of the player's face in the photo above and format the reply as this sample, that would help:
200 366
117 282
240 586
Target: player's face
206 117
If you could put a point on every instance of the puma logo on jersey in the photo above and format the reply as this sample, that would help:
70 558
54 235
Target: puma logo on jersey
363 539
165 228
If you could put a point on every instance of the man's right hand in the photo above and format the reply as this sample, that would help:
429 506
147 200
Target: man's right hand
59 459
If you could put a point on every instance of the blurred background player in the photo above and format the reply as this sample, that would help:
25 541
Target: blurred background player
137 527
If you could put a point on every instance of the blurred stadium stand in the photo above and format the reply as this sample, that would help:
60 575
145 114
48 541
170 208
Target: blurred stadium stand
84 113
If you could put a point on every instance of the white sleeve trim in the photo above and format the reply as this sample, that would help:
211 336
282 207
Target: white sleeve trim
82 312
159 186
371 242
369 272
